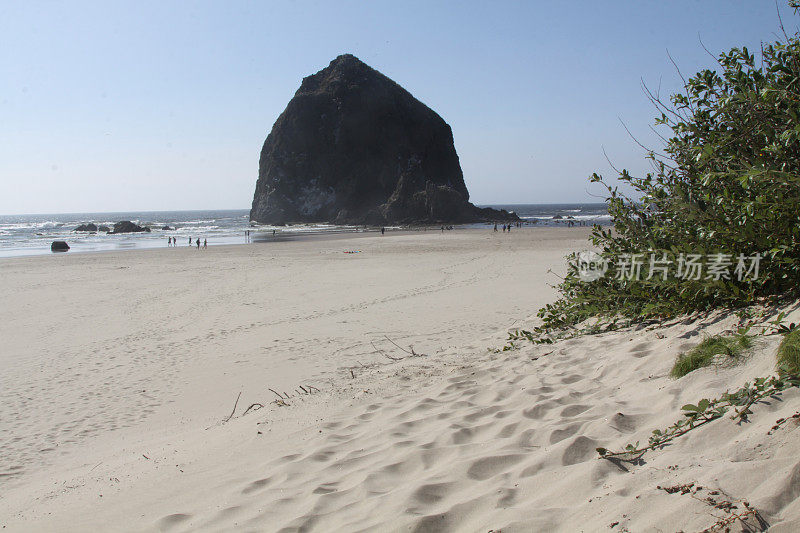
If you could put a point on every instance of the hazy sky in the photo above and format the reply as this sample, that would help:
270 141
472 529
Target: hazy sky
119 106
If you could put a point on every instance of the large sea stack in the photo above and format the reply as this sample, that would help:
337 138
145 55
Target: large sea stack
353 147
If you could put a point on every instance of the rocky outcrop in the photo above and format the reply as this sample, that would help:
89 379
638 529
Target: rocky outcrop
126 226
90 227
103 228
59 246
353 147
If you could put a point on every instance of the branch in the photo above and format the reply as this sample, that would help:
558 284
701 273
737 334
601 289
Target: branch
403 349
234 407
384 353
254 407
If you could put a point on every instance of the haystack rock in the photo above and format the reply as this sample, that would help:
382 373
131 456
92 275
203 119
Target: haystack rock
353 147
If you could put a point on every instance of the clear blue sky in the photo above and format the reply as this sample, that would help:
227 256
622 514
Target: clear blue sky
116 106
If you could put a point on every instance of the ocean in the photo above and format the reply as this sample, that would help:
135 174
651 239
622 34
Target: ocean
32 234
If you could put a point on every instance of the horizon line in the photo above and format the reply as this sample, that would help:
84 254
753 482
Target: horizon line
248 209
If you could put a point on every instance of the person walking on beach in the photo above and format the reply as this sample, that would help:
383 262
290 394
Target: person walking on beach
198 243
383 230
495 227
190 241
205 244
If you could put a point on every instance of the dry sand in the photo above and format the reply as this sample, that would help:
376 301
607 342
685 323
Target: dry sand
120 372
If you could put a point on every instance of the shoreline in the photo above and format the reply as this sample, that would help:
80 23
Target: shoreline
258 237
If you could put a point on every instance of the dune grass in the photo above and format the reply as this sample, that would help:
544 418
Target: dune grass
789 354
703 354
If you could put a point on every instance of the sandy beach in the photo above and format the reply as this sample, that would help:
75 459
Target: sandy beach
121 372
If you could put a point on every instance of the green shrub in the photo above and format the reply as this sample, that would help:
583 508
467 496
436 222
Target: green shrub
726 181
789 354
704 353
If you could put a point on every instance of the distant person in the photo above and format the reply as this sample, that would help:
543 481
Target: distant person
205 243
383 230
190 241
495 227
273 233
509 228
169 241
198 243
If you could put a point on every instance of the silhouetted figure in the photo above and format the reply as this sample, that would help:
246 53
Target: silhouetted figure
198 243
190 241
495 227
205 244
383 230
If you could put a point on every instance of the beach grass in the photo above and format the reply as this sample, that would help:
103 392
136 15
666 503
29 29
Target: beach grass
789 354
704 353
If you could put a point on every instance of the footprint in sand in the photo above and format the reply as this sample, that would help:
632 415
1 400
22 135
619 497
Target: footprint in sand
171 521
488 467
432 493
580 450
256 485
574 410
560 434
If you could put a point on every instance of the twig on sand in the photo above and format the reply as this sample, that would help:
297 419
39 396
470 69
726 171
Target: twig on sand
410 350
234 405
779 422
387 356
400 347
254 407
278 394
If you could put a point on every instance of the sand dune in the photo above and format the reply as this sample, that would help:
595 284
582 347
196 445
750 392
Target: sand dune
458 439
